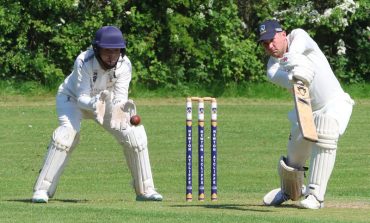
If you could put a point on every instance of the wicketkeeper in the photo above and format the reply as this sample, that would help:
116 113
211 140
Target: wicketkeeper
297 57
97 89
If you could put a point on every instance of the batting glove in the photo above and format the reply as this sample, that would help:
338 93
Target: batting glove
291 60
304 74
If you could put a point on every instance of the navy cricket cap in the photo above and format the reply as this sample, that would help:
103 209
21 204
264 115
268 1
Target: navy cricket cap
268 29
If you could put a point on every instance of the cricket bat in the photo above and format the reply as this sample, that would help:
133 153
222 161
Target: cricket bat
302 103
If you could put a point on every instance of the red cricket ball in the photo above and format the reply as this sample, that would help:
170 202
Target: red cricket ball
135 120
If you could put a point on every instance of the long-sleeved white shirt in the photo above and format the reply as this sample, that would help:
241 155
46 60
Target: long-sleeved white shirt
88 79
325 86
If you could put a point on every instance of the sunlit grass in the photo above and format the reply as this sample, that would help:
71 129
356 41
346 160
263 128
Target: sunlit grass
95 186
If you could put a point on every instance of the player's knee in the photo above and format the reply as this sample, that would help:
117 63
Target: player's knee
65 137
327 131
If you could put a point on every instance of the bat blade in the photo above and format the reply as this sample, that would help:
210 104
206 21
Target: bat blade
302 103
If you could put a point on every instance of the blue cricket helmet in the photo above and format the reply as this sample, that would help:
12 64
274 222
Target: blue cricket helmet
109 37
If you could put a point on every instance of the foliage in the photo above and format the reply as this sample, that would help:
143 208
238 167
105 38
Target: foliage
173 44
178 43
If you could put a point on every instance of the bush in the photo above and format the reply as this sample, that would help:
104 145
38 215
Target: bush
175 44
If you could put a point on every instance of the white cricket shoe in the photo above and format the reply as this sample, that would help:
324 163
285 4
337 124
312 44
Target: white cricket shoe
151 195
275 197
40 196
311 203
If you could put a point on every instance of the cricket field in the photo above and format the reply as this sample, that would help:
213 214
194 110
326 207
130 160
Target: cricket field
95 186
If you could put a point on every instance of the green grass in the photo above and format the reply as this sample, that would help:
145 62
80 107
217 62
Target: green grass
95 186
264 90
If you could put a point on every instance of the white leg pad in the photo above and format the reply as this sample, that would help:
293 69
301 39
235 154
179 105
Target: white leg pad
327 131
63 141
292 180
321 167
323 155
137 158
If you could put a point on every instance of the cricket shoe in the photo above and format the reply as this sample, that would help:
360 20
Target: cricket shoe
40 196
151 195
311 203
275 197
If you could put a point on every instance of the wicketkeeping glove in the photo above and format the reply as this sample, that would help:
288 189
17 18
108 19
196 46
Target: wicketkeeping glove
99 105
121 114
119 118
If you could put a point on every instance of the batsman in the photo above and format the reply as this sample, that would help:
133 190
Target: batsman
97 89
296 58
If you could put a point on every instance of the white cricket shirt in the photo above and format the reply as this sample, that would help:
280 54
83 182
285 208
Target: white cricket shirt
88 79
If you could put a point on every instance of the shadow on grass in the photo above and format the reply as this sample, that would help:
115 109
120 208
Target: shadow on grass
51 201
238 207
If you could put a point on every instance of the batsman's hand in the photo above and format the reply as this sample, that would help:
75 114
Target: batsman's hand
99 105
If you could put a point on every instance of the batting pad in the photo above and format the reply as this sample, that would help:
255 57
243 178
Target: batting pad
291 179
327 131
321 167
323 155
137 158
63 141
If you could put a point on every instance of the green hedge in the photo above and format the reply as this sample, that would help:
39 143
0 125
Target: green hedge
175 44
